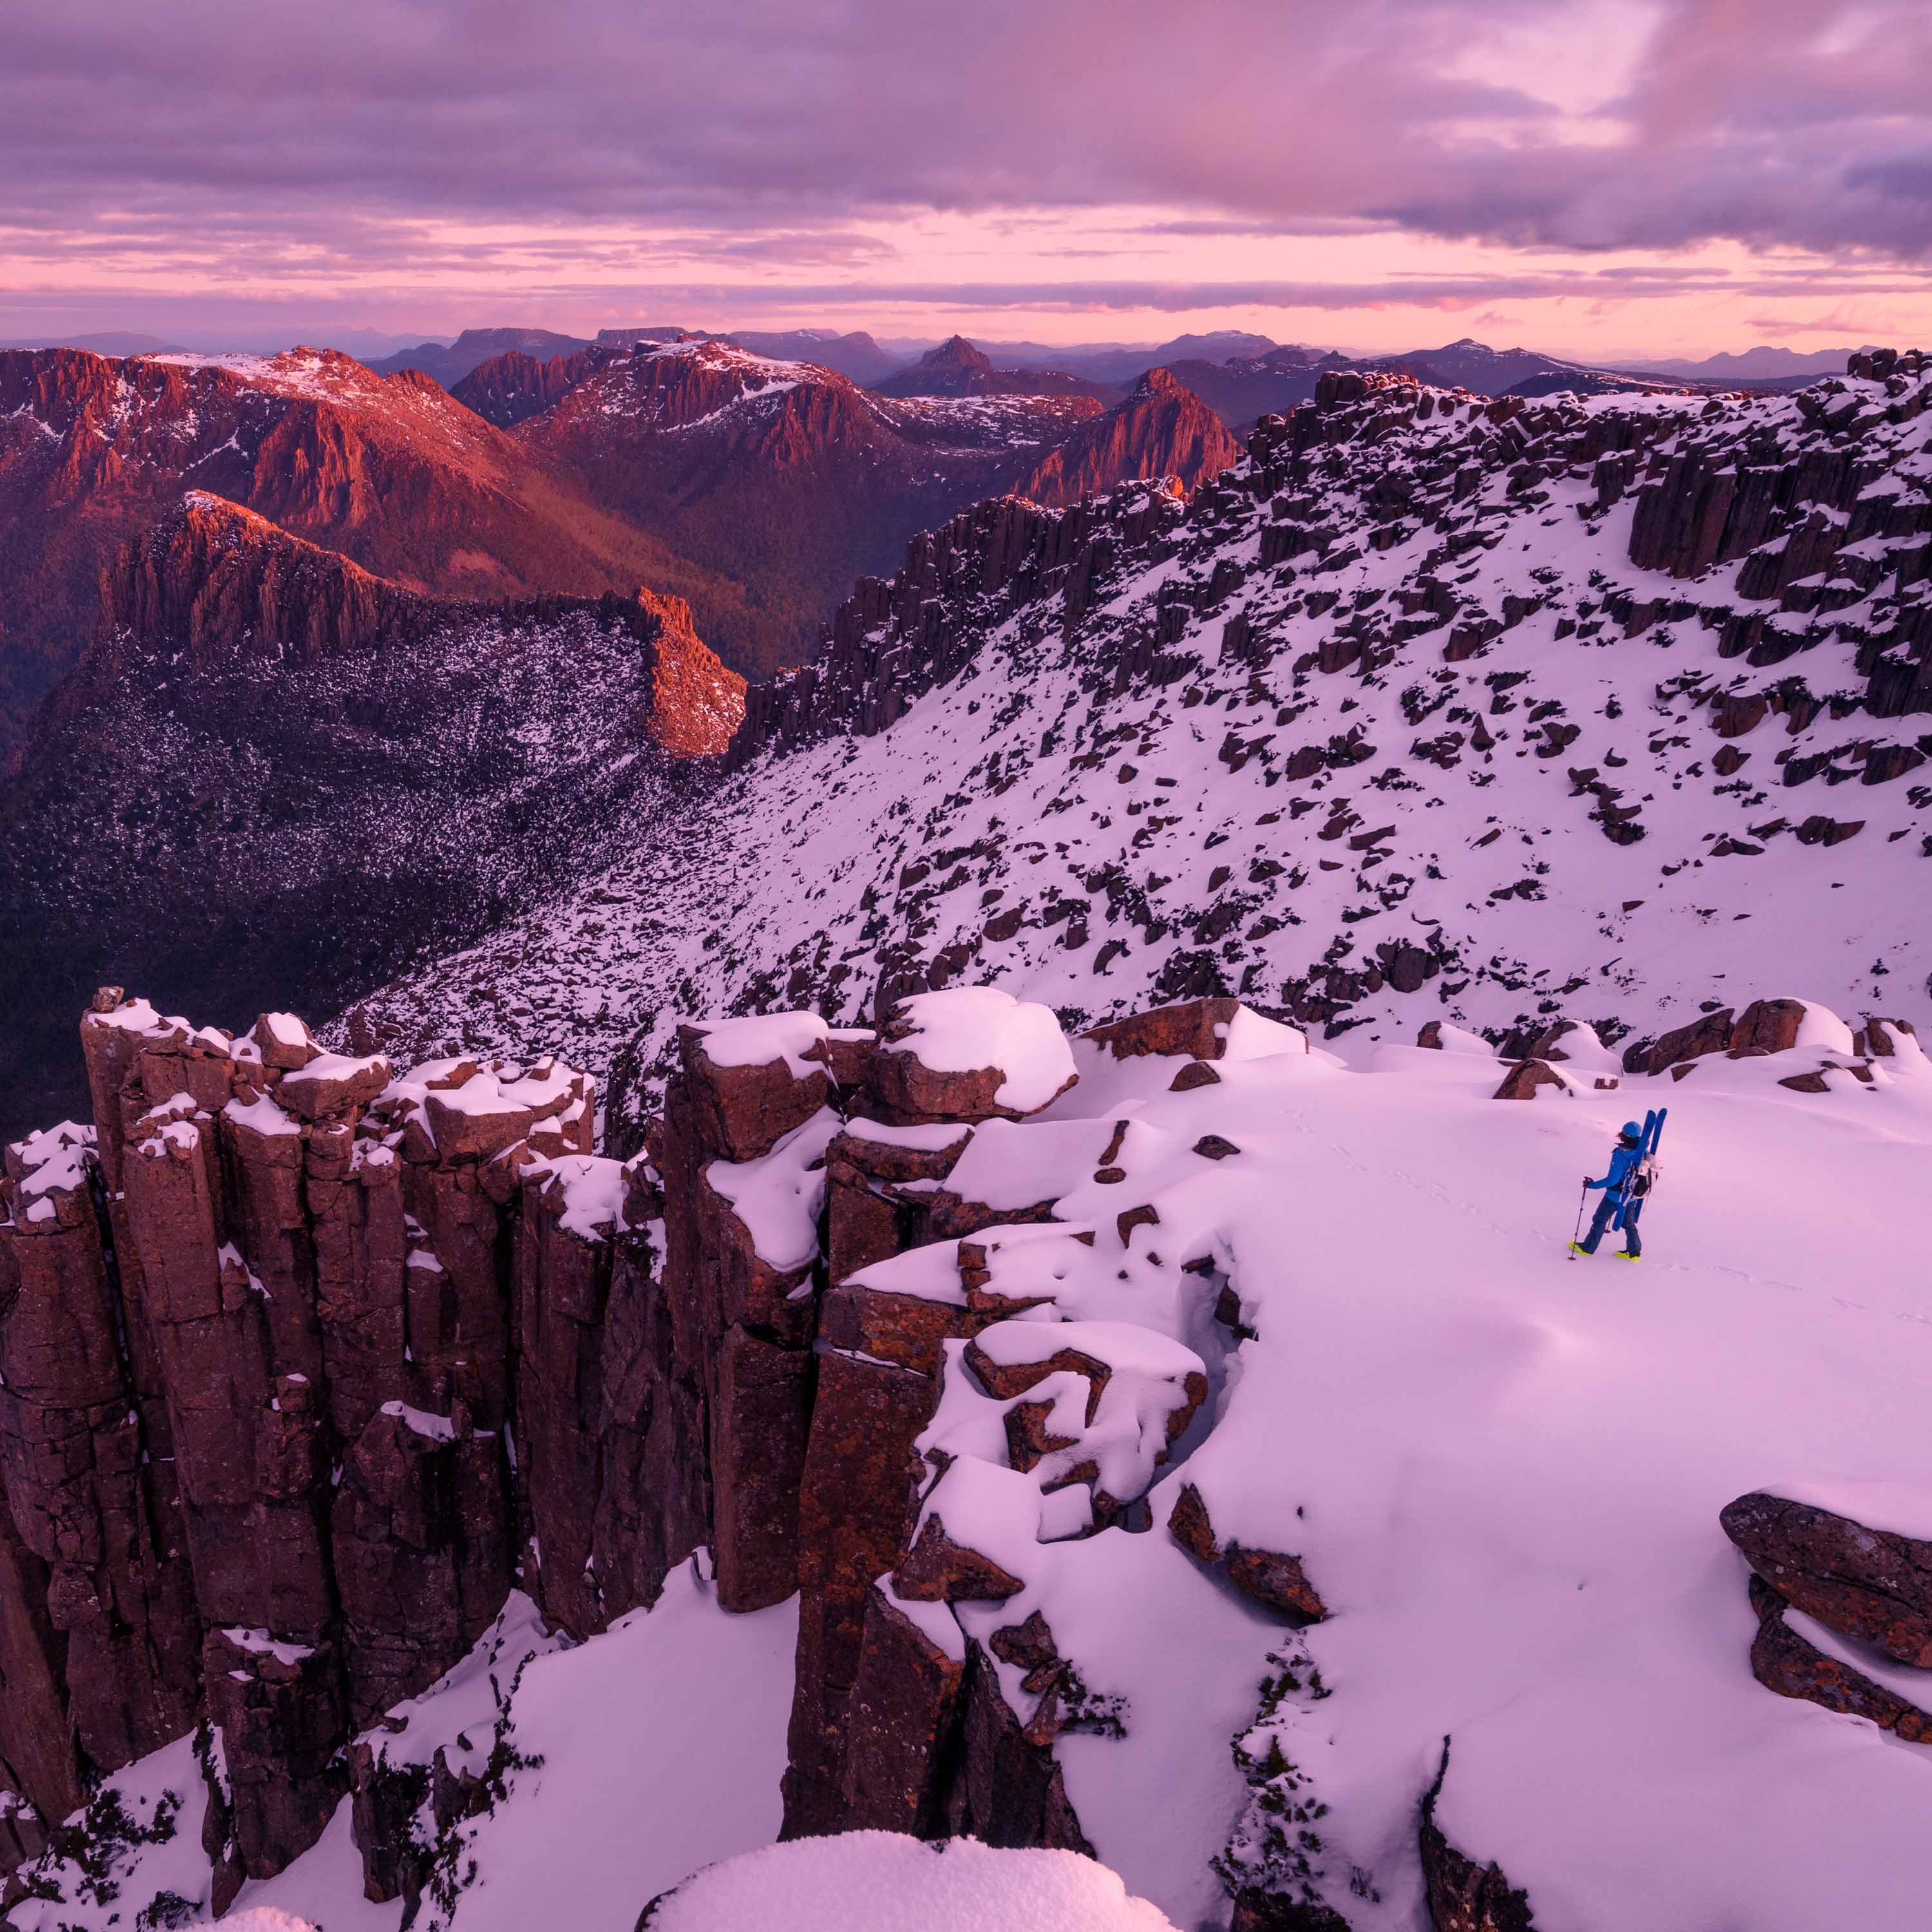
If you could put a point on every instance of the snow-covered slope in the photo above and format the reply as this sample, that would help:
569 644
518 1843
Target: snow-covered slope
1433 709
613 1770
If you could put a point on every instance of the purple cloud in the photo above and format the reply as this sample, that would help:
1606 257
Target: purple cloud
215 141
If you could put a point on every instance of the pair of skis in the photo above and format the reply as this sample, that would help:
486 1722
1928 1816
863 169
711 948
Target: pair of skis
1643 1175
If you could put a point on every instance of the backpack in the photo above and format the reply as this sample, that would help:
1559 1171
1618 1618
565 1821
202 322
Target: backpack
1643 1178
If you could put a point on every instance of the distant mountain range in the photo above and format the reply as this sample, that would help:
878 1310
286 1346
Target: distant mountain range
1753 363
1263 378
958 367
112 342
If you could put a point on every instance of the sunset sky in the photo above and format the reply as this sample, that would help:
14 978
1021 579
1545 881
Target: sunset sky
1600 177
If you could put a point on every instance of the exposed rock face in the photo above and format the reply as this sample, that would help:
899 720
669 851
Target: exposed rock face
1162 429
1463 1895
37 1755
85 1500
1794 1666
254 1448
390 472
1268 1576
510 388
214 572
1870 1584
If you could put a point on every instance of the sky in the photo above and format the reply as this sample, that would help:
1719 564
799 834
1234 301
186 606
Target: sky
1597 178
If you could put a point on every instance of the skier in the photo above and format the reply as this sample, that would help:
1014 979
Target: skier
1623 1197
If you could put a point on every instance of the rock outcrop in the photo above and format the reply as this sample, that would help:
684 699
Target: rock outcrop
1871 1584
270 1329
1163 429
258 1346
1784 1661
1463 1895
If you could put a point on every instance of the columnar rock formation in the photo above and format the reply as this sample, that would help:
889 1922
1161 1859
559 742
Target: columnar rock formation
307 1361
256 1332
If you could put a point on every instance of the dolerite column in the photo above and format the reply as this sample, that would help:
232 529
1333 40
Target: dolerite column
79 1483
36 1753
252 1453
113 1034
743 1325
654 1500
419 1522
579 1213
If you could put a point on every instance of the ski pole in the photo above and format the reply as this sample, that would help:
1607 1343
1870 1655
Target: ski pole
1582 1202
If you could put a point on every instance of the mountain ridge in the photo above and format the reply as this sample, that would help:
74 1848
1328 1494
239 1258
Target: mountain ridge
1393 600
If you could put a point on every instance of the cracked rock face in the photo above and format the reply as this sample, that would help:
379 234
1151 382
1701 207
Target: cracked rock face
256 1336
1867 1583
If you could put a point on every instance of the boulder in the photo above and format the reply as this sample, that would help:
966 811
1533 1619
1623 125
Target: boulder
1710 1033
1792 1665
1768 1026
1879 1037
331 1083
1198 1028
971 1053
939 1570
283 1041
1268 1576
1522 1080
1872 1584
748 1083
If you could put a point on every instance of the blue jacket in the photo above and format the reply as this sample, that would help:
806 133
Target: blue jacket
1623 1164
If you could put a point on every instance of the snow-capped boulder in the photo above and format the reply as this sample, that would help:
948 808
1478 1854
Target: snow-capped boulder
752 1081
883 1882
970 1053
1525 1078
1441 1035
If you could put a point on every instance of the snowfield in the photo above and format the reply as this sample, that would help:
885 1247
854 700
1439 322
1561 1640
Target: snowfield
1500 1468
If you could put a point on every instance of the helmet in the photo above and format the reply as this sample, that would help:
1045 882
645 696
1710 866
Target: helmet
1632 1132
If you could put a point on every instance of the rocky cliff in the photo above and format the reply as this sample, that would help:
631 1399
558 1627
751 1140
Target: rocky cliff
510 388
1163 429
389 472
1018 1360
307 1359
